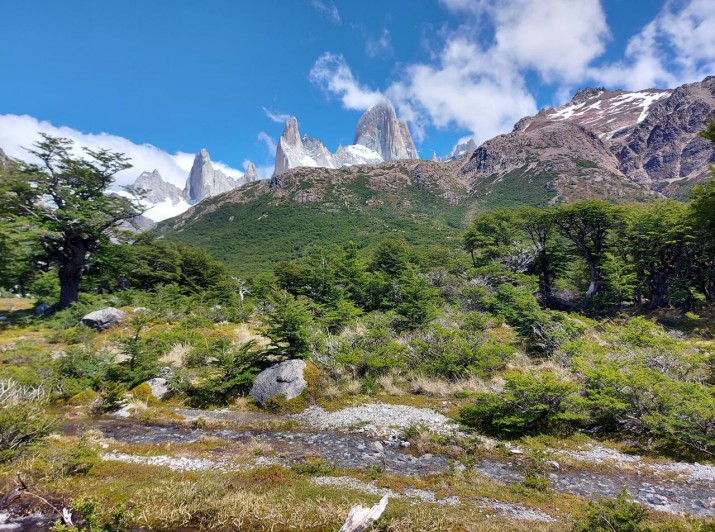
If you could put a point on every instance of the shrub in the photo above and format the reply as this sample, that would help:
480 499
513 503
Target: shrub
455 353
230 374
529 403
23 418
288 326
613 515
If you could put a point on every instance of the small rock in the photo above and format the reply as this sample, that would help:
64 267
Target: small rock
551 464
404 444
103 319
377 447
42 309
516 451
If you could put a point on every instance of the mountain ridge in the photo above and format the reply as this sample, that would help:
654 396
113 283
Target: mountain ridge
562 154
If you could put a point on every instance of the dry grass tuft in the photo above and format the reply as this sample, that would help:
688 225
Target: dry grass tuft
390 385
437 387
176 355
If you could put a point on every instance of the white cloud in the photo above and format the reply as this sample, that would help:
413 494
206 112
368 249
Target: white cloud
471 88
676 47
332 74
376 46
268 142
279 118
475 78
19 132
327 9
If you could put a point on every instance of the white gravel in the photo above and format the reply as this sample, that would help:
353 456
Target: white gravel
373 417
354 484
182 463
176 463
516 511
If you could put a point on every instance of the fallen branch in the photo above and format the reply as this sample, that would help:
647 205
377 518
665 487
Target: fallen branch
15 494
360 518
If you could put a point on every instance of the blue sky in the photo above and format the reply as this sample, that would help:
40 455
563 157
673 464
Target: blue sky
181 75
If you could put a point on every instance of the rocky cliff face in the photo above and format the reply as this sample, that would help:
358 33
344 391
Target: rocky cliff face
381 131
204 181
251 174
613 139
459 151
294 152
663 150
155 190
4 159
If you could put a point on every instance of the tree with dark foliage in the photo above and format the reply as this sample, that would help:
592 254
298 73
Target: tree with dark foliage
66 197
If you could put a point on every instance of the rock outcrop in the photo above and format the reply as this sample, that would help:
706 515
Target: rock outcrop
152 187
103 319
205 181
4 159
251 174
294 152
285 378
663 150
646 139
460 150
381 131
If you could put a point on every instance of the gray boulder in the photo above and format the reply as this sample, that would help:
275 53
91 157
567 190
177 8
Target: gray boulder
103 319
159 387
285 378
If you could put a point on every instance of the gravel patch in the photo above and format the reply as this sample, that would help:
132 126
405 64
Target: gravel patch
182 463
175 463
376 417
367 487
516 511
354 484
430 496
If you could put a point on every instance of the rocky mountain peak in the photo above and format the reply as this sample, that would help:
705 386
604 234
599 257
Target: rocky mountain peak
204 181
291 134
251 173
152 187
379 130
294 151
587 93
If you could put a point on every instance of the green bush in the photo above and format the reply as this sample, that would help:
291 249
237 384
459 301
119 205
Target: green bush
613 515
457 353
231 372
528 404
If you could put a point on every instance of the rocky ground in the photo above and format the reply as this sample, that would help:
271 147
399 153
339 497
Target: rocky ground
373 438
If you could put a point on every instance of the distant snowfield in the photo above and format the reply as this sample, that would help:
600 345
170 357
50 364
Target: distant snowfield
630 101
